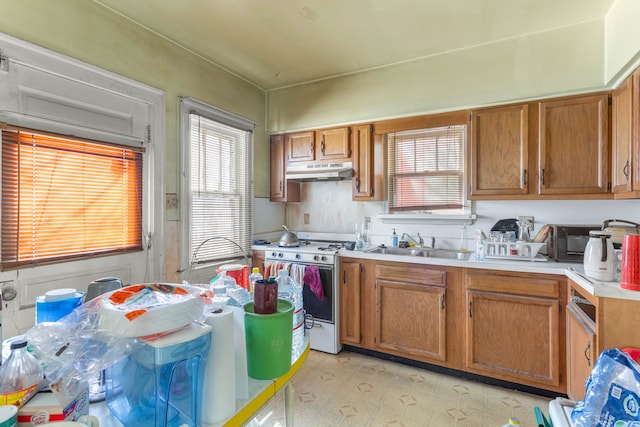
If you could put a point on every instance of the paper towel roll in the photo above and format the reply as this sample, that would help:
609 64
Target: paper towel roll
218 390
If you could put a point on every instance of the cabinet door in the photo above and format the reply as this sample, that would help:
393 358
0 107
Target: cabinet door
333 144
573 145
410 319
581 353
635 149
499 151
362 141
513 337
350 298
621 135
281 190
300 146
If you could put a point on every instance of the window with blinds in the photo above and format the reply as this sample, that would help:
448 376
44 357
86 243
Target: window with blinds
67 198
426 169
221 190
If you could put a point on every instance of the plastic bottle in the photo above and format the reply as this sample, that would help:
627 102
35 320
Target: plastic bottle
513 421
394 239
20 375
291 291
479 245
255 275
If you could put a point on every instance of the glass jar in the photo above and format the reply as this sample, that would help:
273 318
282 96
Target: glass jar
265 296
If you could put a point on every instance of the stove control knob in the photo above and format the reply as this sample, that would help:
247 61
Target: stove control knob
273 254
324 258
298 256
280 254
315 257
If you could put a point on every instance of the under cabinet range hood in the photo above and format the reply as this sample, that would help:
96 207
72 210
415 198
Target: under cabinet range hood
309 172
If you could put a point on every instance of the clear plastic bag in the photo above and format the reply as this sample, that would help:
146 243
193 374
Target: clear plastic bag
613 390
107 328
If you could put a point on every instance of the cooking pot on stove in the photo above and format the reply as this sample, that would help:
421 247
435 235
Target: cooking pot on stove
288 239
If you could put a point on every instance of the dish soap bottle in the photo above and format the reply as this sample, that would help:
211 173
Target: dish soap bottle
394 239
480 245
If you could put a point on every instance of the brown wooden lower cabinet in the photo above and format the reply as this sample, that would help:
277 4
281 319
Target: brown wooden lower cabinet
411 319
581 351
513 328
504 325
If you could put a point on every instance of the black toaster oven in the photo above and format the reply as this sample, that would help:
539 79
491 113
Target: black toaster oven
567 242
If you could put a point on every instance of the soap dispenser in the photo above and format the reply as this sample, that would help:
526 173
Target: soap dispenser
394 239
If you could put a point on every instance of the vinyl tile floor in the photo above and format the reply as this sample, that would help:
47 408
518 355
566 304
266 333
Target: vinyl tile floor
352 389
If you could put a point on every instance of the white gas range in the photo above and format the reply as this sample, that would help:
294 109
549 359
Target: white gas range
318 260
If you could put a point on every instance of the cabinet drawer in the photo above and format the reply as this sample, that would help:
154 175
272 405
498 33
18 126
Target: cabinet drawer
512 284
412 275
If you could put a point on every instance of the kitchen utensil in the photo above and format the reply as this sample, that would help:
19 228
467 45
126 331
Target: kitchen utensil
542 234
288 239
599 258
630 269
618 231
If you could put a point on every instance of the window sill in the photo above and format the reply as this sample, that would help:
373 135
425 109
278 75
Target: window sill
427 218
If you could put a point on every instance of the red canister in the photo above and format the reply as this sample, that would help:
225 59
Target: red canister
265 296
630 269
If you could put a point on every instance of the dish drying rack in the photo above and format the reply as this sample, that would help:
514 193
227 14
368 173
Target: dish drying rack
522 251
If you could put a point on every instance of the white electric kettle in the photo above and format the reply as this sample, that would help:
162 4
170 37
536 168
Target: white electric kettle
599 258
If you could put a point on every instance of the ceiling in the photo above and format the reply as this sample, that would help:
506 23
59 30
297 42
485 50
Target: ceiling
278 43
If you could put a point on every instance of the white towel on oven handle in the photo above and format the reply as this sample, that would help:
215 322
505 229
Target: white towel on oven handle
297 273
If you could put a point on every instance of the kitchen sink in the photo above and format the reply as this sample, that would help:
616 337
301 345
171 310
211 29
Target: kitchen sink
395 251
444 253
422 252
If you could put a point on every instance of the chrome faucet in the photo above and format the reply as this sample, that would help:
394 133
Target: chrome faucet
419 242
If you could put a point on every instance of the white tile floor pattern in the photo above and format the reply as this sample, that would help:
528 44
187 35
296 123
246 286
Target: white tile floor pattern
351 389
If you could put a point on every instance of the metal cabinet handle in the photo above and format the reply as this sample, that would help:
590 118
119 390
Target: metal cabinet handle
280 185
322 146
524 177
470 305
625 170
542 175
442 302
586 355
357 183
311 147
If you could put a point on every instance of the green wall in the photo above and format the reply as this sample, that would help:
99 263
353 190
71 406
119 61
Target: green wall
86 31
566 60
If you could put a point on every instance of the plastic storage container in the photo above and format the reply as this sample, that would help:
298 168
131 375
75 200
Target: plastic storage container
268 341
55 304
20 375
291 291
161 383
513 421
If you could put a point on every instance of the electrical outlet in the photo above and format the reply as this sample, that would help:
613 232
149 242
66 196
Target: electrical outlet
306 218
527 218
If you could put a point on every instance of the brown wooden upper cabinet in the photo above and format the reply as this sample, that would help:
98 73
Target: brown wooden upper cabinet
625 135
321 145
557 148
367 164
499 151
573 145
281 190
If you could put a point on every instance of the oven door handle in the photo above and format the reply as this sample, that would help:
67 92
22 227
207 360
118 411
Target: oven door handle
309 321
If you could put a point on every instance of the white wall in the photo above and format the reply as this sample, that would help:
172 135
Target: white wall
622 39
330 209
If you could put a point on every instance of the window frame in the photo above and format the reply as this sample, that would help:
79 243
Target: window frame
188 264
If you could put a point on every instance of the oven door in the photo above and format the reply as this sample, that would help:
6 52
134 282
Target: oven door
321 307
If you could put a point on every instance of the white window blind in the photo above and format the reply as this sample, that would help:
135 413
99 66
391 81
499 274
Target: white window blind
221 190
426 169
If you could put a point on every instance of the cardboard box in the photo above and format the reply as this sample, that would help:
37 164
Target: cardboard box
46 407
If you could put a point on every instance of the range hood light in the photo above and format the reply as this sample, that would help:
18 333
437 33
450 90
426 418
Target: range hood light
311 172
